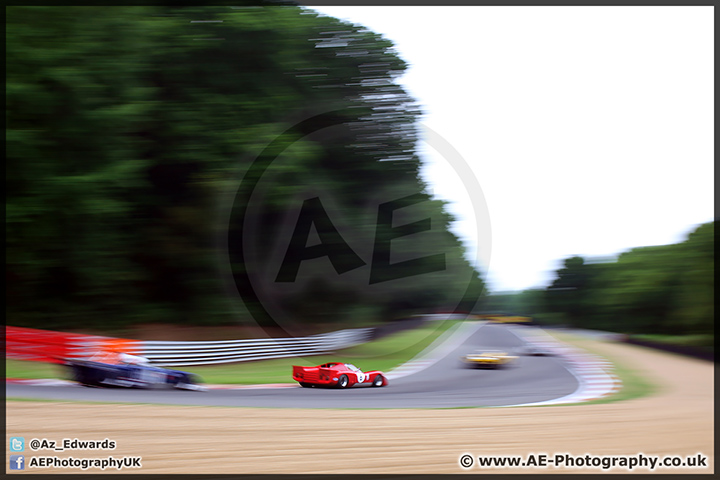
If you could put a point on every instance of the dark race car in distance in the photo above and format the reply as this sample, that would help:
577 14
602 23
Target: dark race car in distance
340 375
536 350
131 372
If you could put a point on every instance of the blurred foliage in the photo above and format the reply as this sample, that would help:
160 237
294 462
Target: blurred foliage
667 290
526 303
128 126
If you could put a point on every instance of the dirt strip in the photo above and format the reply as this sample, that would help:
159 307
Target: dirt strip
676 420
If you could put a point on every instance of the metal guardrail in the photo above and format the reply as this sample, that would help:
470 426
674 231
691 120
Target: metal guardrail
164 353
49 346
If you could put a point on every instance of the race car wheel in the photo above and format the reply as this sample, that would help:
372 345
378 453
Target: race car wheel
343 381
78 377
85 378
305 385
378 382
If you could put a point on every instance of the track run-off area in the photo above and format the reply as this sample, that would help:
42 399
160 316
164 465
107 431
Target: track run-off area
415 425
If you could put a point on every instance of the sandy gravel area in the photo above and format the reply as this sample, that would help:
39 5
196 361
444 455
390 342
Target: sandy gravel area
677 420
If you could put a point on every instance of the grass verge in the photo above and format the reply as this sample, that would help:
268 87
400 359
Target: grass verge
384 354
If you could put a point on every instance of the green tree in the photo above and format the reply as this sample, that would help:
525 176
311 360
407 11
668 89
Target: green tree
666 289
695 296
569 291
72 167
130 128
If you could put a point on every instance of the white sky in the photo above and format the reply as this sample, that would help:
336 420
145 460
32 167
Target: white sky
589 129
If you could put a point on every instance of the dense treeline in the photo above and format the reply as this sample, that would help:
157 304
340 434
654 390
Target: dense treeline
134 132
667 289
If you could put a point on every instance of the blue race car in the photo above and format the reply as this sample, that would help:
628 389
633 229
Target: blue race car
130 371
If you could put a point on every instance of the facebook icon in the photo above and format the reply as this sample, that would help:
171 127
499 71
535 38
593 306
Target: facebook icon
17 462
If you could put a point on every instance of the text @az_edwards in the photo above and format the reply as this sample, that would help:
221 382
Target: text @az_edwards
72 444
587 461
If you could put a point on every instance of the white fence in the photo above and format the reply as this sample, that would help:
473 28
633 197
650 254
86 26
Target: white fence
163 353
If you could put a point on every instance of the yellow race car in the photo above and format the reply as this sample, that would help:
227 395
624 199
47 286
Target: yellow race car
488 359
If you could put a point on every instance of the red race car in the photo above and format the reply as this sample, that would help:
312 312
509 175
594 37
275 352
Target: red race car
340 375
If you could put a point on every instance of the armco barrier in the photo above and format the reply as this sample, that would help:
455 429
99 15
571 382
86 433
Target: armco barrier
227 351
48 346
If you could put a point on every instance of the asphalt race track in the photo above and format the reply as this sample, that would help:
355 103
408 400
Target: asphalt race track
445 384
